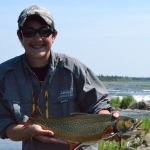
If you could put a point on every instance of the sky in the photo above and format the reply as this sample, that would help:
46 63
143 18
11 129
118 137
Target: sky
111 37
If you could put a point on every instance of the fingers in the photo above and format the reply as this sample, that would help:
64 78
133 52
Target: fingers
44 136
46 139
44 133
104 112
116 114
36 130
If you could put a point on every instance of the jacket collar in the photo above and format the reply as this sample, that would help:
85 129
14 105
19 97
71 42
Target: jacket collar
52 63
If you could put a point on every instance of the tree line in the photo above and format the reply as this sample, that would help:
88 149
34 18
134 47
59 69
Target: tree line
121 78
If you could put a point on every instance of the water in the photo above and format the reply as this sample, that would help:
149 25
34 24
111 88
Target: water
119 89
140 93
135 114
10 145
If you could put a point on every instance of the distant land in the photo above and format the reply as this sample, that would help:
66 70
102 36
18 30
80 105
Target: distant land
123 79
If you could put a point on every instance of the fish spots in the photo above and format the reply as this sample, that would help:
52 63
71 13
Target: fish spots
85 128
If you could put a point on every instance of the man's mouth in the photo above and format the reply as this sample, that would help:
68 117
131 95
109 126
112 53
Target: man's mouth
37 46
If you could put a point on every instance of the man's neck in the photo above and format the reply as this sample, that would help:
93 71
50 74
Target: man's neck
40 72
38 63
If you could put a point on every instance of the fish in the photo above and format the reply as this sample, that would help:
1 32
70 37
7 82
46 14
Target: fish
85 129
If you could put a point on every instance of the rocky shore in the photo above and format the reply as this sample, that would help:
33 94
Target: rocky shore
138 143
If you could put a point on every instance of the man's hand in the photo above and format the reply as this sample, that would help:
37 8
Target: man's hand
115 114
20 133
45 136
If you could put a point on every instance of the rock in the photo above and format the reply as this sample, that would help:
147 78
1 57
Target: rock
143 148
146 140
136 142
147 104
139 105
129 148
133 142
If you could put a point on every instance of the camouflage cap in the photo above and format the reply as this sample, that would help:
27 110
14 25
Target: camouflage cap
35 10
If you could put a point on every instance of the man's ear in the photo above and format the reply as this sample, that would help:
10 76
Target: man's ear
54 35
19 35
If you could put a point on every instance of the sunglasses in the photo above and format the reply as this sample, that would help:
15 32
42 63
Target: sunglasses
43 32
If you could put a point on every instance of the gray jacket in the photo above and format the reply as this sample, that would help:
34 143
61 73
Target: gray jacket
69 86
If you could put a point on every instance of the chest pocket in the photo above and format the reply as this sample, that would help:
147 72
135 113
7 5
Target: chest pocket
62 104
63 107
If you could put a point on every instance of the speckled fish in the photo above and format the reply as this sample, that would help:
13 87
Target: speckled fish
85 128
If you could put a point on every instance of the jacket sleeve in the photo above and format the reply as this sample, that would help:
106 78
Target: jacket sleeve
94 95
6 114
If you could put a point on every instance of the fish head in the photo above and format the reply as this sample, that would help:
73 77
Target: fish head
128 126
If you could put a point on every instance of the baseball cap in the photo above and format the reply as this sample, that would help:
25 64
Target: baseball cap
35 10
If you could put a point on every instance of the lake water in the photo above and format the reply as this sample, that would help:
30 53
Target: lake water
119 89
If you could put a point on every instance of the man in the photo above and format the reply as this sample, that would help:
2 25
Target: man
56 83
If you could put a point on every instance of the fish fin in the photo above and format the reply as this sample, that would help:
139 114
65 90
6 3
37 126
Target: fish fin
36 112
33 116
77 114
109 130
74 146
108 133
28 122
120 143
108 136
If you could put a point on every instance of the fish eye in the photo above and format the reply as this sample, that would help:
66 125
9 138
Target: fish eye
133 121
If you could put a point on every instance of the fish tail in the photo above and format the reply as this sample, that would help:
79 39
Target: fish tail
33 116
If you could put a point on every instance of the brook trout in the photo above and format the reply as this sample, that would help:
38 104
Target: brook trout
83 128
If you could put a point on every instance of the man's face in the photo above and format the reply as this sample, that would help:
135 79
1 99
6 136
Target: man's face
37 47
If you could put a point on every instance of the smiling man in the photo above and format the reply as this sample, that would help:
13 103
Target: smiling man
56 83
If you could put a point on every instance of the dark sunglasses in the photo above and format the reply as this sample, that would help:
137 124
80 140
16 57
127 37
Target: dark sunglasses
43 32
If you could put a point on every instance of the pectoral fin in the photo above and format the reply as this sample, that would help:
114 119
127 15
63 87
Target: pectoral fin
108 133
33 116
74 146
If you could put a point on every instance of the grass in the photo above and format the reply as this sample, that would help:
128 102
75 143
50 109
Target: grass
112 145
127 101
115 102
144 85
146 124
109 84
107 145
123 103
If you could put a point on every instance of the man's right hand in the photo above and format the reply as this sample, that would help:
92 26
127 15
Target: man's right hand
45 136
20 133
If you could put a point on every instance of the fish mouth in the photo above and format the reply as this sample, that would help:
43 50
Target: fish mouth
135 129
128 126
137 124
